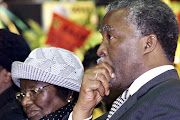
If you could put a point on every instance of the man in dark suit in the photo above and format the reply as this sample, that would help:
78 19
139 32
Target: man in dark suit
137 54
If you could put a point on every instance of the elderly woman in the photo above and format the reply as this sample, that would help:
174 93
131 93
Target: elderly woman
49 80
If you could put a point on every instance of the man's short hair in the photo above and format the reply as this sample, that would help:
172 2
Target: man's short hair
152 17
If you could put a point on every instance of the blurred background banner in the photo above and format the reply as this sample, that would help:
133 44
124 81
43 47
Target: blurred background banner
81 12
82 19
66 34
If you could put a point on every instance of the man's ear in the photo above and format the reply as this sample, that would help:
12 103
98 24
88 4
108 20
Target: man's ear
150 43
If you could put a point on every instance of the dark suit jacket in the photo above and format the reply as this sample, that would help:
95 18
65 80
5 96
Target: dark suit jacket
10 108
159 99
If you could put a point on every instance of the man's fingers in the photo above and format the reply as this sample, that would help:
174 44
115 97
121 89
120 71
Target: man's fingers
104 81
96 81
107 67
97 72
98 87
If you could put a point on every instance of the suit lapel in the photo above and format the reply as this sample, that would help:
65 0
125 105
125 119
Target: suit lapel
171 74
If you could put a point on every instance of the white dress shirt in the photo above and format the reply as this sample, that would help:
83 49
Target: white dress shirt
147 76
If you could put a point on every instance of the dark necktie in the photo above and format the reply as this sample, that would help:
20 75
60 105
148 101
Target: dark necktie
118 103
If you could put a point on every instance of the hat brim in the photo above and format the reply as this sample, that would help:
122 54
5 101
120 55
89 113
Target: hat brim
21 70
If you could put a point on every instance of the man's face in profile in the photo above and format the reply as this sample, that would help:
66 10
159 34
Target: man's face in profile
120 47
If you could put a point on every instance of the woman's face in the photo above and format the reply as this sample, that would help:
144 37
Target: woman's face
44 102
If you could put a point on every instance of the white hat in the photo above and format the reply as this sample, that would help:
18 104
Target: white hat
56 66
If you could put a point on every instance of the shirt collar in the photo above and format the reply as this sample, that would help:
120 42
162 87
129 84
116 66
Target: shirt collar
147 76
